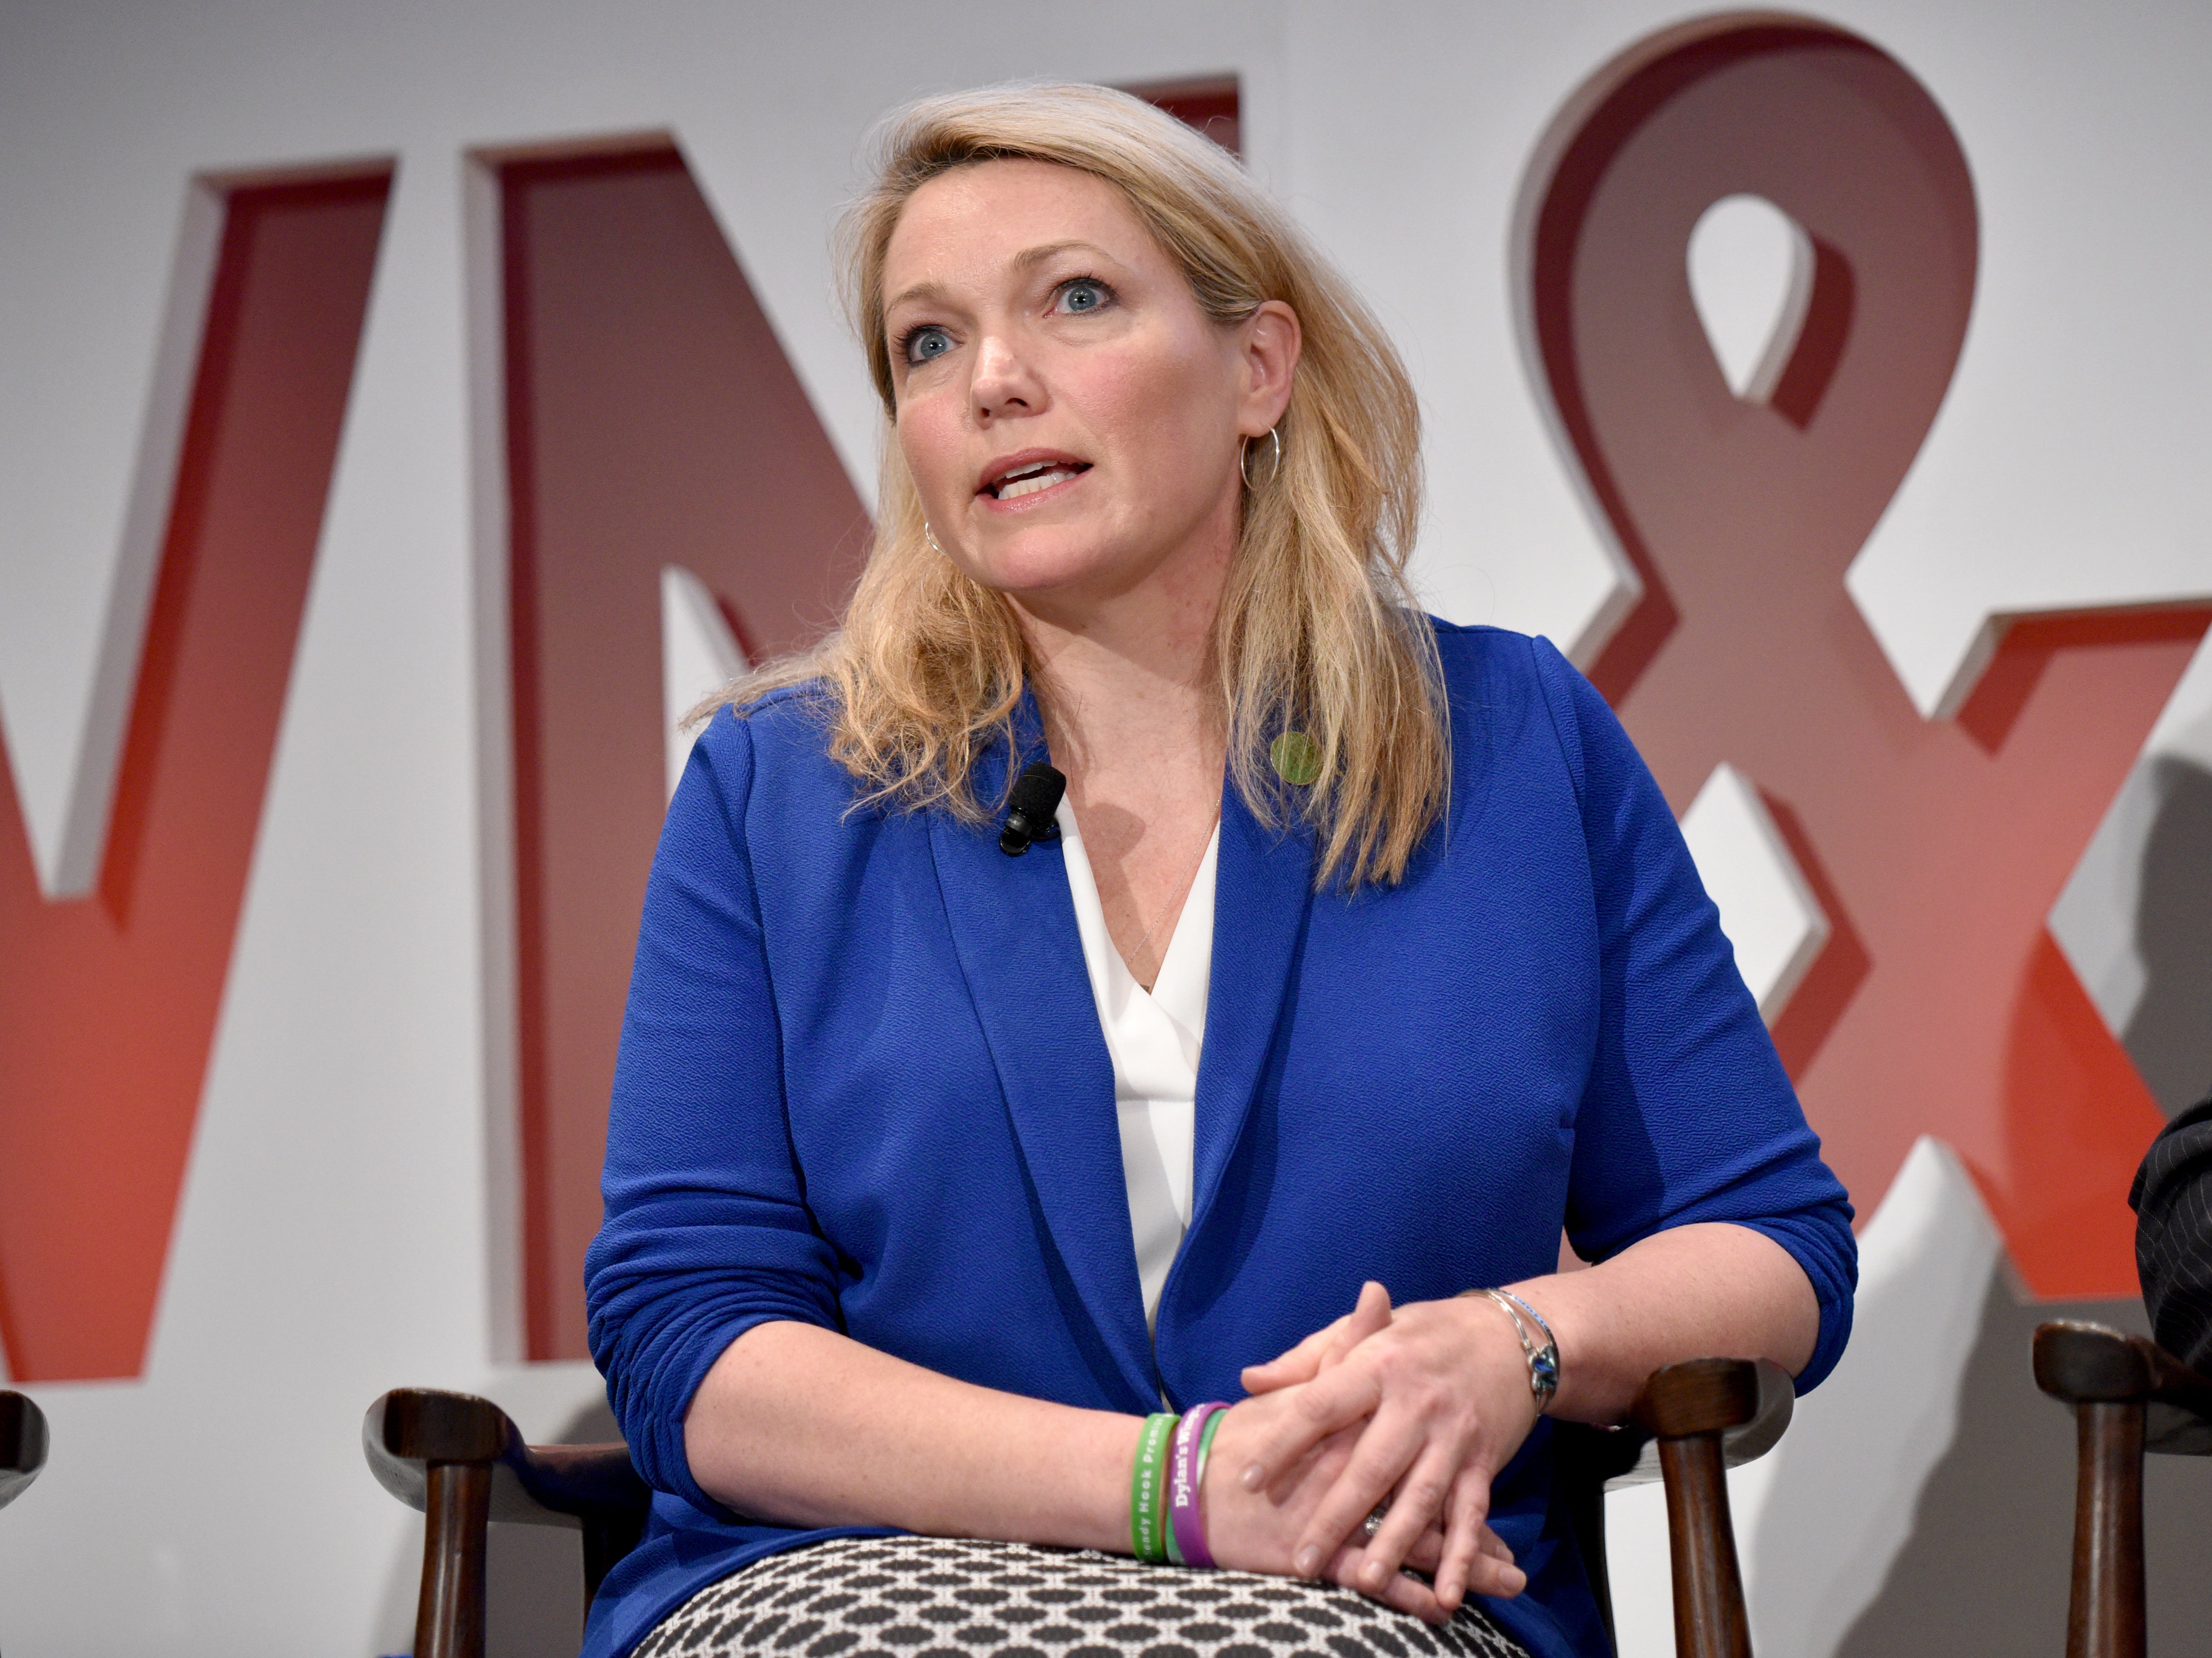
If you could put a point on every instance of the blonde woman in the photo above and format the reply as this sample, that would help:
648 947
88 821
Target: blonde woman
1175 1173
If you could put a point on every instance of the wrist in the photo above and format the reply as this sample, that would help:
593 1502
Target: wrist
1094 1503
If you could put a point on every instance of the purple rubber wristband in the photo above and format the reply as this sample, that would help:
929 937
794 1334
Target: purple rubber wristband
1182 1485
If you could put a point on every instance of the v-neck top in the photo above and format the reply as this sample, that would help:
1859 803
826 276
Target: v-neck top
1153 1037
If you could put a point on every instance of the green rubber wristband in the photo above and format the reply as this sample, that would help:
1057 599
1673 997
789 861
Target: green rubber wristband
1205 1446
1148 1485
1198 1476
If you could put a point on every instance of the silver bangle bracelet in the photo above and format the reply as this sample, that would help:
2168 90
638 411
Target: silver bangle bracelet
1544 1361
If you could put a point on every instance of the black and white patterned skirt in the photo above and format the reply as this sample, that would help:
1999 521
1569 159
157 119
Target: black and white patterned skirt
929 1597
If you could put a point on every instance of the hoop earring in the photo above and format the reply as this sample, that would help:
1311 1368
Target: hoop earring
930 536
1244 453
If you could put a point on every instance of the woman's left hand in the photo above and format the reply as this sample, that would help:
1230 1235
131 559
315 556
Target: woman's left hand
1447 1387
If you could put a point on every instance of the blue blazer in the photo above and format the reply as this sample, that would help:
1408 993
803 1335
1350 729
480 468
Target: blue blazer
862 1084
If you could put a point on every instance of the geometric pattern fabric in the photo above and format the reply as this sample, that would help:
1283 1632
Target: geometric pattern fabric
932 1597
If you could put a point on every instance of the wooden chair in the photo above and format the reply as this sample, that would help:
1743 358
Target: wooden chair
460 1461
1690 1424
22 1445
463 1463
2129 1396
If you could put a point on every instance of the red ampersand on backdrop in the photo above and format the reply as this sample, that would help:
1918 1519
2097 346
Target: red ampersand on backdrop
1940 1003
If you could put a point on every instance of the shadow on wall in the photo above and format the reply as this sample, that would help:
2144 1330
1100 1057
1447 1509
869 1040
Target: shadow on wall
2170 1036
1985 1573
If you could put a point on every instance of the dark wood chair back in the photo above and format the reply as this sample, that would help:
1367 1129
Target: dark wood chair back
1727 1408
22 1445
464 1463
2129 1396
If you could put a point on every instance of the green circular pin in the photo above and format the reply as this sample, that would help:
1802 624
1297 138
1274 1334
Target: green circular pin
1297 758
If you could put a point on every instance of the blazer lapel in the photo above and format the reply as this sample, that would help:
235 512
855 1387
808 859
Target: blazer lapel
1263 888
1014 932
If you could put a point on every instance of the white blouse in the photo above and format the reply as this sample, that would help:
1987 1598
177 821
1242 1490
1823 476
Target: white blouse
1154 1038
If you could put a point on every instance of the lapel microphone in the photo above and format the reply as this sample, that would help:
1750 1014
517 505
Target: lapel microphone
1029 808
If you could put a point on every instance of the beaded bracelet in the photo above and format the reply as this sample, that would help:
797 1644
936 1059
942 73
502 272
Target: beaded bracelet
1148 1531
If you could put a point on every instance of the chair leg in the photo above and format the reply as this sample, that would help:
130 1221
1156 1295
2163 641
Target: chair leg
1709 1611
449 1619
2105 1617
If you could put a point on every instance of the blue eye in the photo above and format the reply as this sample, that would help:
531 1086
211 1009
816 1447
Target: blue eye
1083 295
925 344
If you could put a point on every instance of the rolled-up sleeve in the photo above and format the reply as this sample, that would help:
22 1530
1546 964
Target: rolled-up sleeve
707 1231
1688 1115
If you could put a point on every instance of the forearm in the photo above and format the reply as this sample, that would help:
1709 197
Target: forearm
1706 1291
801 1425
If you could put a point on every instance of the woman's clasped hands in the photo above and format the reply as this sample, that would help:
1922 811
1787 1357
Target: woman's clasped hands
1417 1408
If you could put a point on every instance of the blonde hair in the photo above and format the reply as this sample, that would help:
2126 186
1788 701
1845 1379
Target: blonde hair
1317 632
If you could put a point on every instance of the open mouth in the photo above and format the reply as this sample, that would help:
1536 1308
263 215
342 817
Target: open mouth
1031 476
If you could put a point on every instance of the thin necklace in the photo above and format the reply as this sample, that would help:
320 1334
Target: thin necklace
1189 875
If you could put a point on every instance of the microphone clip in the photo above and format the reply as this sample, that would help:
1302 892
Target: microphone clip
1029 808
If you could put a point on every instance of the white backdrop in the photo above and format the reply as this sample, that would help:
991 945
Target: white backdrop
335 1234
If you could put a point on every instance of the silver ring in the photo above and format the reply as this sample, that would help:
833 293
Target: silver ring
1373 1523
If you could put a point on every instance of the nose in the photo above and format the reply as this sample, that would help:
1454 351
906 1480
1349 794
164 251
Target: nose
1004 384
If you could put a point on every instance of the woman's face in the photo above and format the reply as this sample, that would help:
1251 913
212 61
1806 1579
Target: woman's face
1071 418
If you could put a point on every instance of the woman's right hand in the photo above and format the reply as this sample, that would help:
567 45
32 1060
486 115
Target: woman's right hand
1258 1531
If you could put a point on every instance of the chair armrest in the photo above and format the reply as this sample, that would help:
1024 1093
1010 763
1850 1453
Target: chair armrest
22 1445
1629 1454
1690 1409
2128 1396
1747 1404
1717 1396
564 1485
2088 1365
462 1461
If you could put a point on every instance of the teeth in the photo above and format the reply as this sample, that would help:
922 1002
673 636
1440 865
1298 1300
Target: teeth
1013 488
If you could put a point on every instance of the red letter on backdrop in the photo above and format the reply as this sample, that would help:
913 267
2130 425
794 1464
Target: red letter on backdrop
108 1005
652 420
1941 1004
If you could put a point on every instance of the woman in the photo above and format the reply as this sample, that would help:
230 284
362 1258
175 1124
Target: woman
920 1199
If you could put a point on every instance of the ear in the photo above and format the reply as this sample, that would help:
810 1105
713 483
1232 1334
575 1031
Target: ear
1267 355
